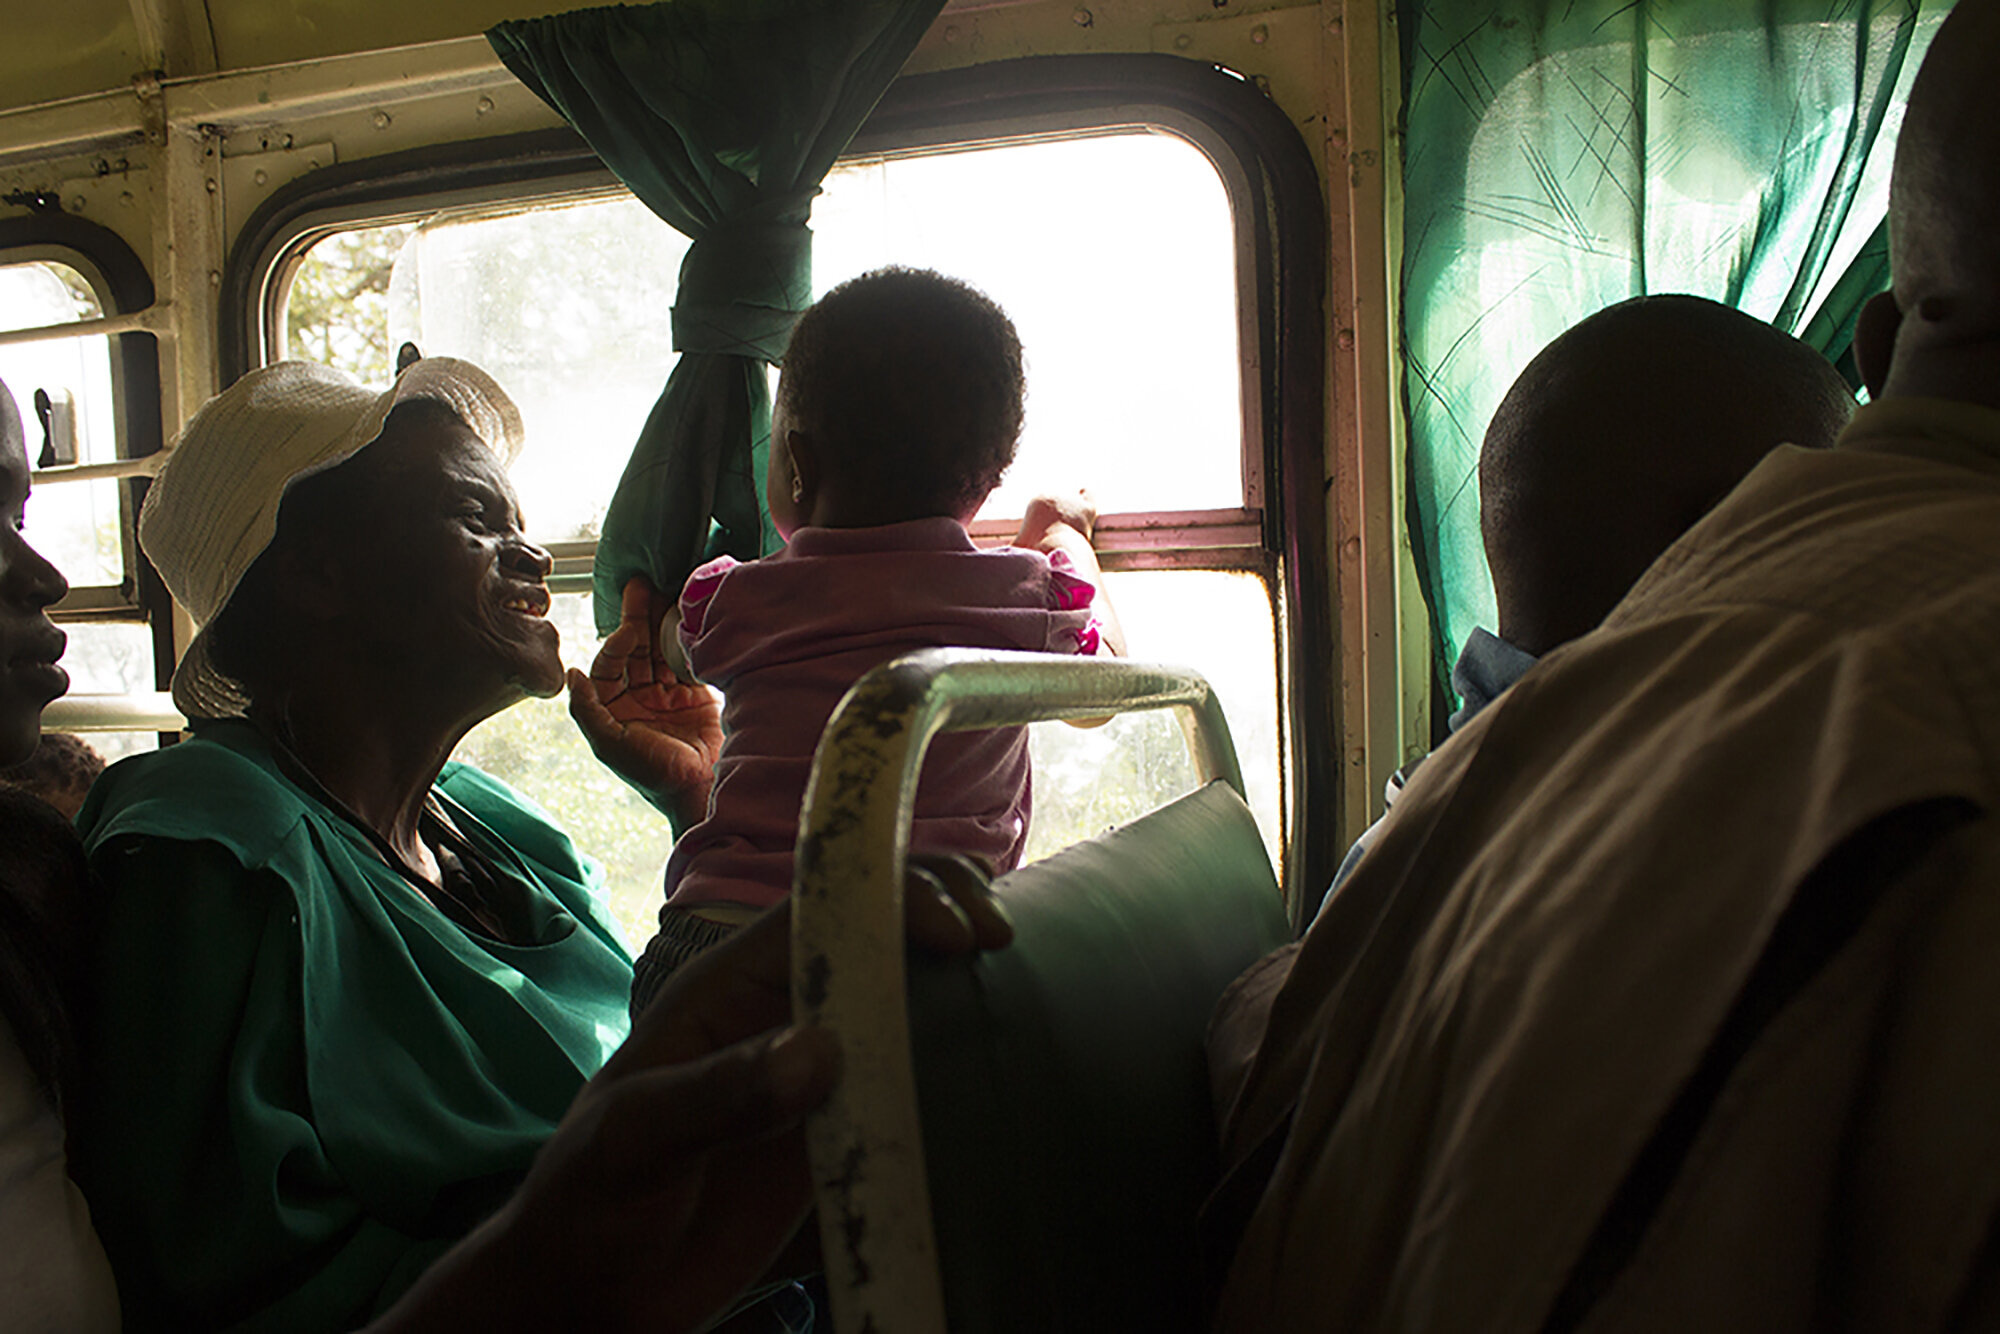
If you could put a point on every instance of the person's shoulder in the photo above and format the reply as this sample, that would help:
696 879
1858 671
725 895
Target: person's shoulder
706 578
221 785
1053 570
698 593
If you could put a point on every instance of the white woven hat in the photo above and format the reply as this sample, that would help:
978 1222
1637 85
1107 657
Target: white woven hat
213 508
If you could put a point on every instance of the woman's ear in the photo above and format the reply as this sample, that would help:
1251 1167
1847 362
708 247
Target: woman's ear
1875 331
318 585
804 453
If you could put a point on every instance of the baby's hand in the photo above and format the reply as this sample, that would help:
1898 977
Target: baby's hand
1044 512
1066 524
671 652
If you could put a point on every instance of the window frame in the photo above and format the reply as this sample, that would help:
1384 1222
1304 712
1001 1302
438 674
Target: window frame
1280 236
123 287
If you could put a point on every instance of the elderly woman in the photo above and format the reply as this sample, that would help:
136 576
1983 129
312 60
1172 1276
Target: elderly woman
345 989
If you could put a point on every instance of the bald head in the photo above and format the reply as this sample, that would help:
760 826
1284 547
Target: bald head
1620 435
1938 335
10 419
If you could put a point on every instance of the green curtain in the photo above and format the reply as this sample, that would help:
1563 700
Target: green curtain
1564 155
722 116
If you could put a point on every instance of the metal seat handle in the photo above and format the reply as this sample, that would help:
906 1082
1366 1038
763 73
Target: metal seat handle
866 1143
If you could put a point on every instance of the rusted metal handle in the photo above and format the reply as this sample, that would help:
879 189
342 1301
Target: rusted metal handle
847 934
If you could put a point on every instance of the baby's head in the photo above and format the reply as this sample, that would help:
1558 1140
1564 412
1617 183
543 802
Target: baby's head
900 399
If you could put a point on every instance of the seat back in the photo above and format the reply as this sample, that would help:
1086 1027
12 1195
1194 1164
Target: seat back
1061 1082
1060 1100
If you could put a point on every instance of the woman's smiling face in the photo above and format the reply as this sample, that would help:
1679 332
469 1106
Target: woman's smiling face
30 644
444 582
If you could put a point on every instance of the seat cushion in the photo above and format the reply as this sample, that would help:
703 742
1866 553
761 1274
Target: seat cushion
1068 1134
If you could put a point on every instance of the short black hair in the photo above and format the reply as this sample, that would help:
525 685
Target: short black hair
10 417
1620 435
59 764
911 383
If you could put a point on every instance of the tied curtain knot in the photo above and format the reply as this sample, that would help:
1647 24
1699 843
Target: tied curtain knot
722 116
742 288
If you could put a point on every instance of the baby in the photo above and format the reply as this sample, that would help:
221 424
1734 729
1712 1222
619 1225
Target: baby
898 411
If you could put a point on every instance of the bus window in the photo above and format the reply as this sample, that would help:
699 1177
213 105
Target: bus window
63 388
338 310
1218 621
1134 390
1114 256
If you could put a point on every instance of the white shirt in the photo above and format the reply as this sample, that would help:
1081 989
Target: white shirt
54 1278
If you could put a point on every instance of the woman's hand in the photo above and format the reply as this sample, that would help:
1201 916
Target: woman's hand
657 733
679 1172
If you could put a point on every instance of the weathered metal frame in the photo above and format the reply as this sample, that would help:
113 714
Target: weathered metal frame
244 99
127 294
1378 602
847 933
376 191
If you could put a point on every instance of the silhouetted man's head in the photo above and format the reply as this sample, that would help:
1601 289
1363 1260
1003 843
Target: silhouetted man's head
1938 334
1622 433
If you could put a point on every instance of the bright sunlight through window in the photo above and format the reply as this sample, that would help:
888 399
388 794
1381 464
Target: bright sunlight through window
1115 257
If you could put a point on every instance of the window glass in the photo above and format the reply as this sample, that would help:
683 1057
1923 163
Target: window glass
1086 779
1114 256
337 312
1219 623
1113 253
113 746
568 308
109 658
79 526
566 305
75 524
